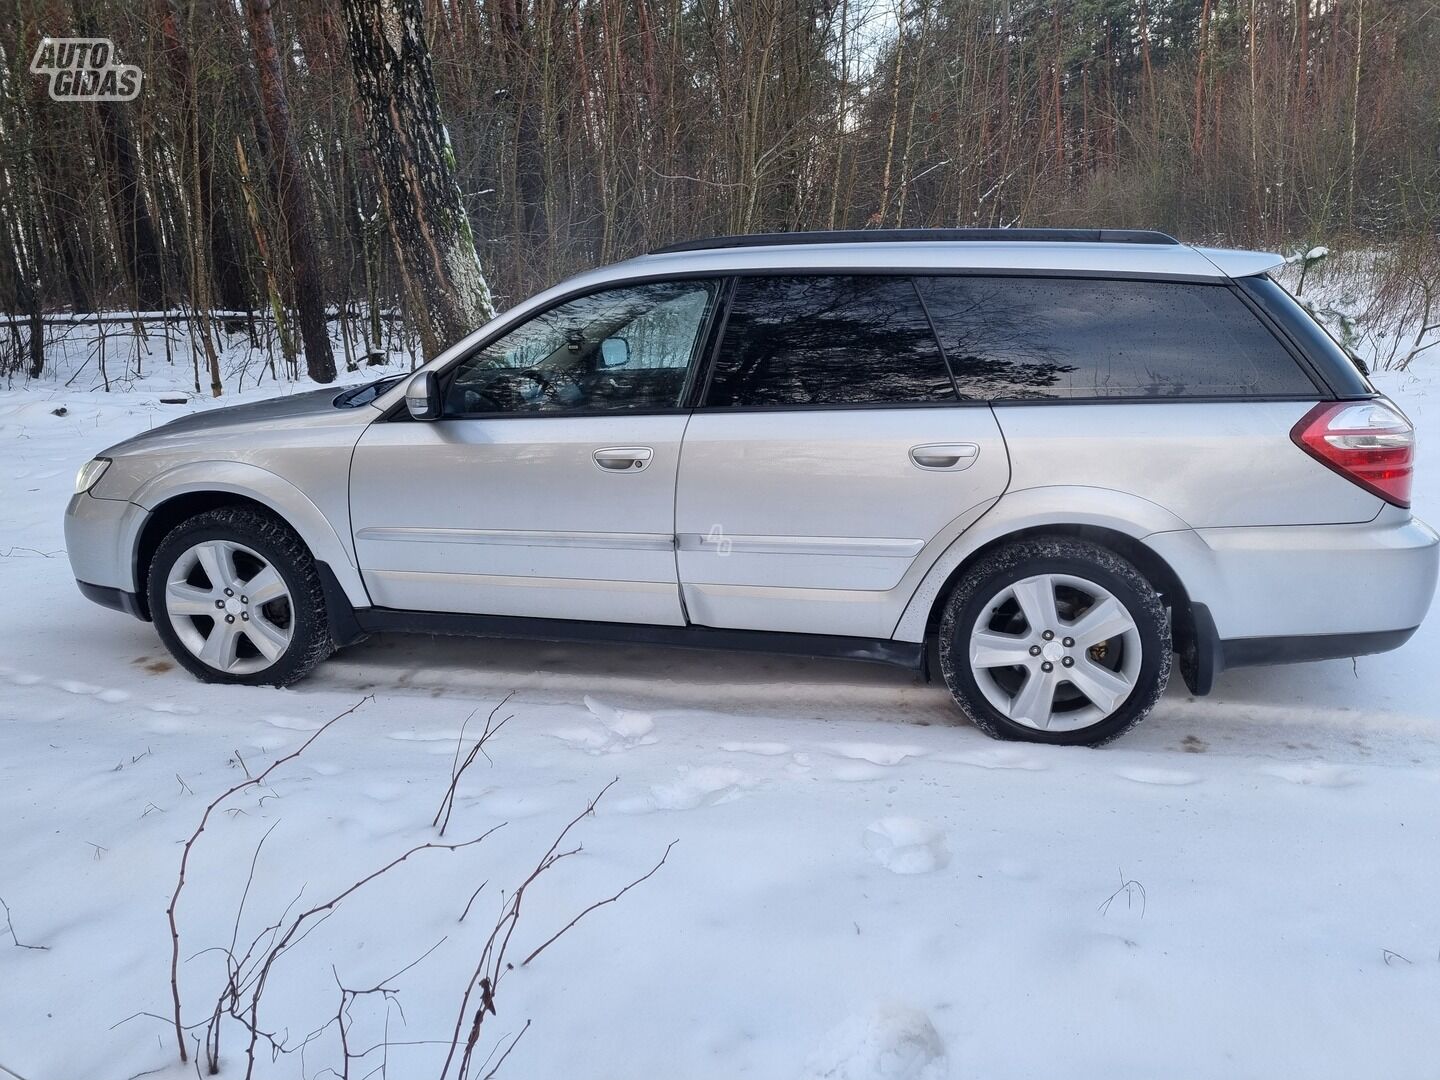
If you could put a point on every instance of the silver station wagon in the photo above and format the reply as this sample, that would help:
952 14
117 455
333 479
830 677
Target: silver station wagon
1047 463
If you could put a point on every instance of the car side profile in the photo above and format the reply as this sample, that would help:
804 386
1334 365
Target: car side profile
1048 462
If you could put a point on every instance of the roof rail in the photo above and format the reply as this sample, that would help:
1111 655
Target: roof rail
882 236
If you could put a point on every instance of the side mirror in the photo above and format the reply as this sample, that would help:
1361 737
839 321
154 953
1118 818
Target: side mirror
422 396
614 352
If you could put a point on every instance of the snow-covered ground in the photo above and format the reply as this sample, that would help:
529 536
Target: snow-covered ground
863 886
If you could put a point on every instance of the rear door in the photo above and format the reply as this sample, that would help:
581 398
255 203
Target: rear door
830 460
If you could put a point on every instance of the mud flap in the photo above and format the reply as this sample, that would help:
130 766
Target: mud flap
1197 645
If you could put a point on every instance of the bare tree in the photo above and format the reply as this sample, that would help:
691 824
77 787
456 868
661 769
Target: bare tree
291 193
431 232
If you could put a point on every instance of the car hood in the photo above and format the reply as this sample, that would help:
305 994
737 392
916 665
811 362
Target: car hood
279 412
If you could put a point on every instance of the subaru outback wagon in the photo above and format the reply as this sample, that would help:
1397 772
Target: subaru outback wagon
1049 460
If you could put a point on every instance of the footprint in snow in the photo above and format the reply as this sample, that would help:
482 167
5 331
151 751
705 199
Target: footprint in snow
856 772
611 731
424 736
629 724
1315 774
384 792
172 709
892 1041
1163 777
84 689
906 845
1001 757
590 739
876 753
74 686
291 723
706 785
799 765
510 804
763 749
26 678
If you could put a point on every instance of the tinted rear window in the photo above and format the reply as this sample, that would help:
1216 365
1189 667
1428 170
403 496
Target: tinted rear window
1008 338
841 340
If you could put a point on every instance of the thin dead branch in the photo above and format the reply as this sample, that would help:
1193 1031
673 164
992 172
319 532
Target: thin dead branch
601 903
1133 892
250 781
458 767
478 1001
253 984
14 937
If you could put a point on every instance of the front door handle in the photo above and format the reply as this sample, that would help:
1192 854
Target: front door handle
623 458
936 457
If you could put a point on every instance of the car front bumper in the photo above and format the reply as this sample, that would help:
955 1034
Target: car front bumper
100 538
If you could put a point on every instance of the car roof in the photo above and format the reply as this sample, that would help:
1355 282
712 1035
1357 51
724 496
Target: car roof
1069 251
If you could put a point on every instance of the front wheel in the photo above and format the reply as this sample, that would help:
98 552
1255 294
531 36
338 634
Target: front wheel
1055 640
237 599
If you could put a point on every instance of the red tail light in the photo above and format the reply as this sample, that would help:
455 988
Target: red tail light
1370 443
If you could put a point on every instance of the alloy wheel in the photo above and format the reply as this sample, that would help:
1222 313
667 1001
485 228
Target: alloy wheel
229 606
1055 652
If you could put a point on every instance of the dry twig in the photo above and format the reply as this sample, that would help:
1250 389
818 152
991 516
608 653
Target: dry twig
457 767
10 926
250 781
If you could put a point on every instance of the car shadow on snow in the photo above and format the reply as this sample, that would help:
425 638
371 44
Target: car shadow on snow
1303 709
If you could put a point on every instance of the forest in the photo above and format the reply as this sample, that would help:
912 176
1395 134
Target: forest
406 167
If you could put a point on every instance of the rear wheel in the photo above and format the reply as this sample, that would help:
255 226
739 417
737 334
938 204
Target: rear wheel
1055 640
237 599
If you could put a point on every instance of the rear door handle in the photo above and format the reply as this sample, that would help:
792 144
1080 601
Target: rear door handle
938 457
623 458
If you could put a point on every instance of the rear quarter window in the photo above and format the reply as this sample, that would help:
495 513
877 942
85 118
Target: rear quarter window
1346 379
1009 338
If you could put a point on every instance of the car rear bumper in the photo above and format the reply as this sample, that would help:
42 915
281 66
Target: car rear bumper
1305 592
1252 652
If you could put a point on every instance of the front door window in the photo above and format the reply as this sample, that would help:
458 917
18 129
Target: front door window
626 349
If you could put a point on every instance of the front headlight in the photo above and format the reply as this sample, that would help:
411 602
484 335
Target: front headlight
89 474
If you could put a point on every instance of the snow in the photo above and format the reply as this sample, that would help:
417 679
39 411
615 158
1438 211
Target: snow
863 885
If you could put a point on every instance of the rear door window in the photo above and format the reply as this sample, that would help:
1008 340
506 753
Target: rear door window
827 340
1021 338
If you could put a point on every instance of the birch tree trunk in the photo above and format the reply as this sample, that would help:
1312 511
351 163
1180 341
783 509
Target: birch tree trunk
428 224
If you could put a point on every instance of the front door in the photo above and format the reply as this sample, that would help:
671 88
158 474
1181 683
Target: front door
547 488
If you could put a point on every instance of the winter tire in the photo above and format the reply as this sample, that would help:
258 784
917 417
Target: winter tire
1055 640
236 598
